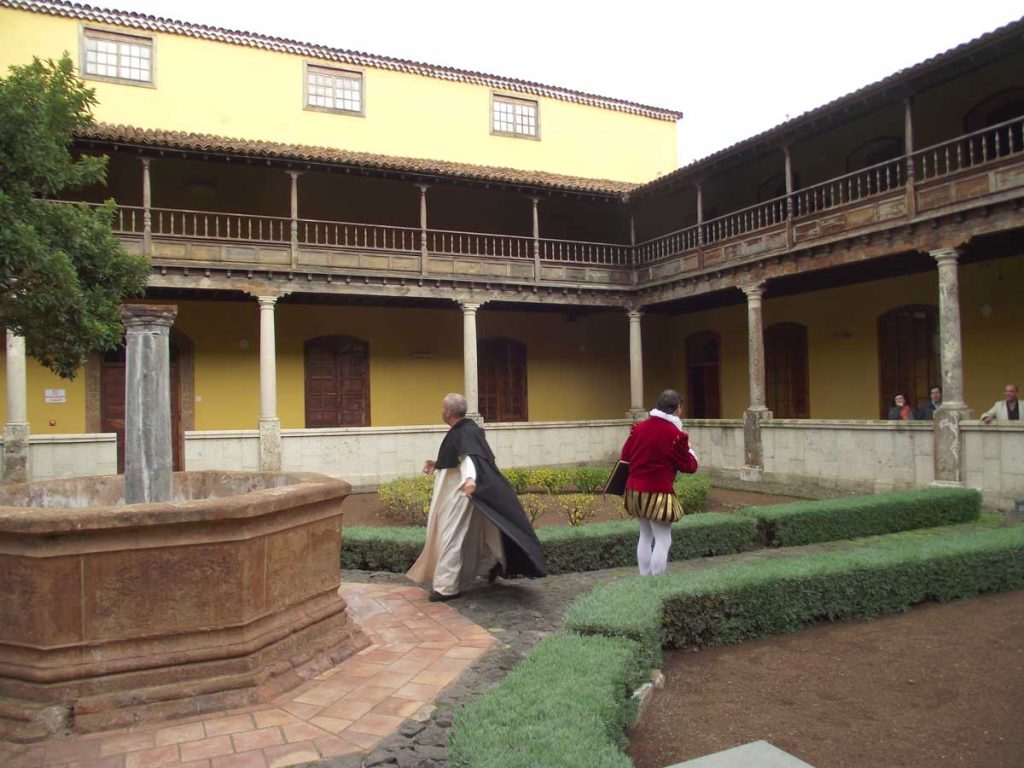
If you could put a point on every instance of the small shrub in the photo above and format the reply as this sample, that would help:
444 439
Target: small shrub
548 478
533 506
407 499
692 491
517 478
577 507
588 479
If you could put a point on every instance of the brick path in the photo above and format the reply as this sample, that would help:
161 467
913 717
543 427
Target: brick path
417 648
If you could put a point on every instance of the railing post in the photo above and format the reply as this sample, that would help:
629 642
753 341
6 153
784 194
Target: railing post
147 211
423 227
294 175
908 150
536 240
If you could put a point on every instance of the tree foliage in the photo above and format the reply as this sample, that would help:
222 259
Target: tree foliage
63 274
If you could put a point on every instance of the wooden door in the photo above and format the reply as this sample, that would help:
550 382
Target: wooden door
337 374
702 376
502 380
785 347
908 352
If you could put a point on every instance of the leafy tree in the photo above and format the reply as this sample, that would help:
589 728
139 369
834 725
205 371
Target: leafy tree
63 274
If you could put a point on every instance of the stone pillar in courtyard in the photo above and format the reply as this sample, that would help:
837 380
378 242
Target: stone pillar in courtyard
636 367
469 359
16 469
753 460
948 444
270 425
148 462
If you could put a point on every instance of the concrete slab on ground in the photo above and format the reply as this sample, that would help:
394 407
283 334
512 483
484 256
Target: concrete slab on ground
756 754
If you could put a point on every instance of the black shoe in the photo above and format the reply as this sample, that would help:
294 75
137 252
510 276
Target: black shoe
494 573
437 597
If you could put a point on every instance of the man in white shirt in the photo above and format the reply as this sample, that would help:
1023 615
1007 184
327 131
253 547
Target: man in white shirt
1007 409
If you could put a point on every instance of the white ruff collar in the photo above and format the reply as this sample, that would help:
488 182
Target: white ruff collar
667 417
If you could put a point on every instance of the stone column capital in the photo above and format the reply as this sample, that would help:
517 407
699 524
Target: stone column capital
153 315
753 291
145 161
945 256
634 315
267 302
424 188
295 174
470 307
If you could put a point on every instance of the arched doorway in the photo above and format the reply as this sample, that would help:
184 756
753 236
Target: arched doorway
785 352
337 382
908 354
502 377
110 387
702 376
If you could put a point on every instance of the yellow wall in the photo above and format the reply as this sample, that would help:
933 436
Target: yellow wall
842 336
577 367
238 91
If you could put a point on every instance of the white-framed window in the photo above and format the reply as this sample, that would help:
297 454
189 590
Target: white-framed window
116 56
334 90
512 116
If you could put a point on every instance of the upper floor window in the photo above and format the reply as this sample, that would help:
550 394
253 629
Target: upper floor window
115 56
334 90
514 117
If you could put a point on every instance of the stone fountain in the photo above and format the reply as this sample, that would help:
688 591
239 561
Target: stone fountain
155 595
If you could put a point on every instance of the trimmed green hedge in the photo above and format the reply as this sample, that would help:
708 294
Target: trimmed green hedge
740 601
567 548
806 522
567 704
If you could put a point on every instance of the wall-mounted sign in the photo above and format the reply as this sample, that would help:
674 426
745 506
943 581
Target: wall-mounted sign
55 395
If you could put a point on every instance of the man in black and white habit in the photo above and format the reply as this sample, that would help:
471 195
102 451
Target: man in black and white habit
476 526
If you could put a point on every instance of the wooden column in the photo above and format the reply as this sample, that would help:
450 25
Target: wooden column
423 227
700 225
789 195
536 239
294 175
908 150
147 210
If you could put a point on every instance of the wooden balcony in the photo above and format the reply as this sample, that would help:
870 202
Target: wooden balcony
980 171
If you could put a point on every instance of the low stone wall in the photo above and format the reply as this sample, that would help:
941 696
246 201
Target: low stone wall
367 456
54 457
994 461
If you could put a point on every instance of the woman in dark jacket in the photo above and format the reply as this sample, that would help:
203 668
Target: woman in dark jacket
656 449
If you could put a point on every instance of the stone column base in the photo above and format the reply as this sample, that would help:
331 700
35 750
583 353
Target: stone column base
16 469
948 445
637 414
751 474
752 453
270 445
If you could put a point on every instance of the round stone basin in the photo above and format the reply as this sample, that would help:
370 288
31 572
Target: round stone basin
114 614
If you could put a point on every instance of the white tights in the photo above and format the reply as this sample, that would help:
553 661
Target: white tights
659 536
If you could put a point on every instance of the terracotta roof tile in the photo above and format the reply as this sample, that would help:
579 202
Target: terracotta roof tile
200 142
170 26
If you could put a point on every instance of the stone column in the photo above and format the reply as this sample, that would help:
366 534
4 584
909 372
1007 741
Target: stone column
469 361
757 410
16 430
270 425
636 410
148 461
294 175
147 210
946 424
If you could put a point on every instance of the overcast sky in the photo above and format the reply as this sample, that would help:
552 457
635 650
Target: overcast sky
733 68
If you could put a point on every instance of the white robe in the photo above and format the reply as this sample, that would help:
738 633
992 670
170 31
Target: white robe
461 543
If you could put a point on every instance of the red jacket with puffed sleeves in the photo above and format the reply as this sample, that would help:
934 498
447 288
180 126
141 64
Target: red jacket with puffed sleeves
656 450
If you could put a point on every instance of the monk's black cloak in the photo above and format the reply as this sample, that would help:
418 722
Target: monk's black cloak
495 498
